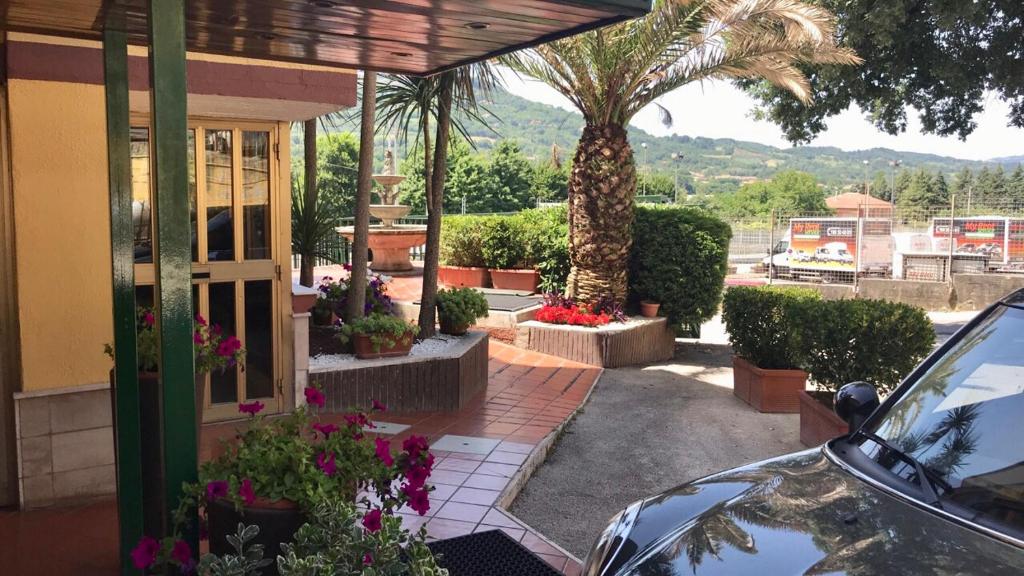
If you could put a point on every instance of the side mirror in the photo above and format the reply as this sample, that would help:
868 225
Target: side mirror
854 402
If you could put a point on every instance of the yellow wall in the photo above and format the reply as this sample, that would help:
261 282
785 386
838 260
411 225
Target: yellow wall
62 231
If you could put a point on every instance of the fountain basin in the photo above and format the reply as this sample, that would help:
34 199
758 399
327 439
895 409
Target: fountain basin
388 213
390 245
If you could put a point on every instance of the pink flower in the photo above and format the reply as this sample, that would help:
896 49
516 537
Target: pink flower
200 320
144 553
216 489
413 445
417 476
419 499
229 346
384 452
325 429
367 559
372 520
182 552
197 337
148 318
246 492
252 408
315 397
326 463
358 420
379 407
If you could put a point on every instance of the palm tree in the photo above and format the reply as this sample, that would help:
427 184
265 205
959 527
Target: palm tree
612 73
407 105
361 237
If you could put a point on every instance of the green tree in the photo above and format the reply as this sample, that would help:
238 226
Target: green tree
1015 187
471 180
789 192
612 73
513 177
550 183
963 183
903 180
922 196
939 57
880 186
338 168
656 184
990 190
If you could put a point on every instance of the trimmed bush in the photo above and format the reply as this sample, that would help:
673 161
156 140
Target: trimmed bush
458 308
679 258
546 233
461 241
503 243
766 325
872 340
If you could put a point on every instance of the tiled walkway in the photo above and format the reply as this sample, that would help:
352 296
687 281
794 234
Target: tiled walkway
485 446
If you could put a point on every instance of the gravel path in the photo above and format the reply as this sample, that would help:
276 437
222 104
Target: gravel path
644 431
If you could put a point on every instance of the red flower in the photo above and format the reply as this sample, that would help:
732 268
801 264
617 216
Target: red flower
251 408
228 347
367 559
379 407
416 476
325 429
200 320
315 397
419 499
413 445
326 463
216 490
144 553
372 520
384 452
182 552
148 318
246 492
197 337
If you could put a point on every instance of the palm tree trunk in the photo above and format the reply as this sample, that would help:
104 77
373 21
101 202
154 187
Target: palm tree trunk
309 156
435 203
360 242
602 187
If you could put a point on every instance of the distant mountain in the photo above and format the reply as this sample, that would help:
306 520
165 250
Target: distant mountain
1008 160
538 126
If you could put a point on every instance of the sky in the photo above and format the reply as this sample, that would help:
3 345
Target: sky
720 110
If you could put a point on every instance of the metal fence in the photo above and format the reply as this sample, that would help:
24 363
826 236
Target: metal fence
902 243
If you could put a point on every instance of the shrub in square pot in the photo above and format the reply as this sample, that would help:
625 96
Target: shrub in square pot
505 252
765 326
459 308
876 341
462 261
379 336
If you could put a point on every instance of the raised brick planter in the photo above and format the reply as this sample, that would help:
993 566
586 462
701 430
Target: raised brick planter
409 383
639 341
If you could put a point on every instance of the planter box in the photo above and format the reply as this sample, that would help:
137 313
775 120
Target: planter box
767 390
519 280
364 348
818 423
463 276
610 346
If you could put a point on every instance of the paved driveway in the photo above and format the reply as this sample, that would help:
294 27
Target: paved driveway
644 431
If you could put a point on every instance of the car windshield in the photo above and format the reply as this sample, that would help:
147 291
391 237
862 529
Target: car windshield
963 420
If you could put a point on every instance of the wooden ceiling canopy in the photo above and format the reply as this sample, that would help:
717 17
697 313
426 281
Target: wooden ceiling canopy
418 37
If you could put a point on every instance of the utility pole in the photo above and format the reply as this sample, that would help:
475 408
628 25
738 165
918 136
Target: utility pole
892 181
677 160
643 168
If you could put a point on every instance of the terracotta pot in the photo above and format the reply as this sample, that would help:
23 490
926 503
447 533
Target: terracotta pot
520 280
449 327
278 521
649 309
463 276
818 423
364 347
767 390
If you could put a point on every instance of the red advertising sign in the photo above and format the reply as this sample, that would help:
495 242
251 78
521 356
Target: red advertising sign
986 236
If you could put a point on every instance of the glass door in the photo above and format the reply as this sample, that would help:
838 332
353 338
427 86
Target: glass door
232 196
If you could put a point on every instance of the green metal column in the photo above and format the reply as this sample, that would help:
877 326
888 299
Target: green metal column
173 245
126 377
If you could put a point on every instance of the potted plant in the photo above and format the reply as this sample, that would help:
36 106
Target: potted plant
505 253
329 293
459 308
876 341
649 309
278 473
379 336
462 261
766 327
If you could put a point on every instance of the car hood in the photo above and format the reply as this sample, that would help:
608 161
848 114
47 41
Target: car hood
799 514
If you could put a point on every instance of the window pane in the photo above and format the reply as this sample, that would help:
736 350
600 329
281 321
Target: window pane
142 196
256 194
192 191
223 385
220 235
259 340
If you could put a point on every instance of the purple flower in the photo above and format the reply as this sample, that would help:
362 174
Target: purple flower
246 492
148 318
315 397
182 552
252 408
326 463
367 559
216 489
372 520
144 553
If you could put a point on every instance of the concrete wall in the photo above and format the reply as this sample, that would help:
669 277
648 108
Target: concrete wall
976 291
968 291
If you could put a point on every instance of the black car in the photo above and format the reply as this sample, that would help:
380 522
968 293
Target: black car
929 482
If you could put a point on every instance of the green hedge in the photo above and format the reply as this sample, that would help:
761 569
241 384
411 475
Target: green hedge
679 258
872 340
546 233
462 241
766 325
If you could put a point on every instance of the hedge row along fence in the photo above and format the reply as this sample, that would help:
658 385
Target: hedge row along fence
836 341
679 255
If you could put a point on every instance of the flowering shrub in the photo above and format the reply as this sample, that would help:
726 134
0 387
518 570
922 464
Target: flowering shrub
332 294
559 309
213 349
301 459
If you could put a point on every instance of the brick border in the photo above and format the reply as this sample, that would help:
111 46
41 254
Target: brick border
640 342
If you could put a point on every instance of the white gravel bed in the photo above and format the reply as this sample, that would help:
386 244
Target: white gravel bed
434 346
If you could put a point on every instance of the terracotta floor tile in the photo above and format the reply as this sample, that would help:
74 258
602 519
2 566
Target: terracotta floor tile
501 429
556 561
572 568
441 528
468 495
514 533
461 511
486 482
537 544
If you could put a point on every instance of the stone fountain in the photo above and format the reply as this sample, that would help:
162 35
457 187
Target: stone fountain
390 242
